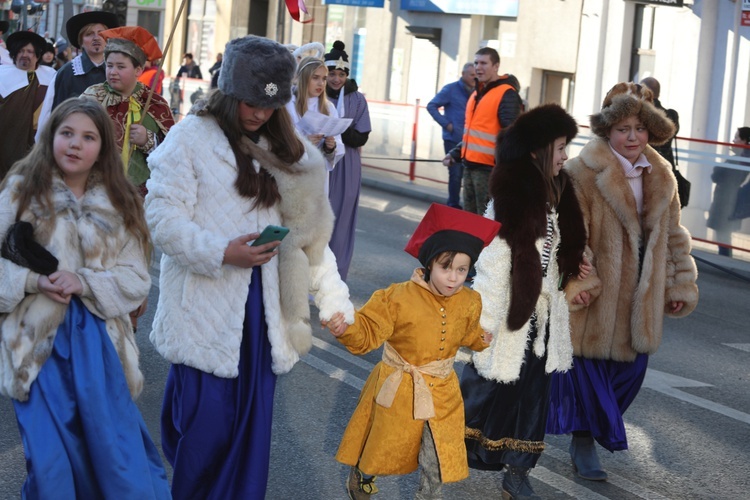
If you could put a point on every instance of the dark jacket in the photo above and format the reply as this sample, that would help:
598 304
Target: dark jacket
665 150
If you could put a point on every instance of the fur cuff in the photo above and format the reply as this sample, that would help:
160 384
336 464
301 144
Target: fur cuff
686 293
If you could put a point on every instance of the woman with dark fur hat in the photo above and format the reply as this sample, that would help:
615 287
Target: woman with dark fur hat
232 316
520 276
642 271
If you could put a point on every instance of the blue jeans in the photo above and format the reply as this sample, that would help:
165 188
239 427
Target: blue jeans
455 174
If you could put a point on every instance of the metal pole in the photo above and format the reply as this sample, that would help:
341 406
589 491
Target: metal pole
413 155
728 135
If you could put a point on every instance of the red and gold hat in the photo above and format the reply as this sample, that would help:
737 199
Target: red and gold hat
134 41
446 229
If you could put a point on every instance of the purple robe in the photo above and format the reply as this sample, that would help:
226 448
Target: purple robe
345 180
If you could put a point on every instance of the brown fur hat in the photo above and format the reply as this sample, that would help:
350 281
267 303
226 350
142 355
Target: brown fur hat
631 99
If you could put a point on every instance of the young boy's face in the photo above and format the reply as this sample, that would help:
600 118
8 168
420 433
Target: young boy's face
448 280
122 75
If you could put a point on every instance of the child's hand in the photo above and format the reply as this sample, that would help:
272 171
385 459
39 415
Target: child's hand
582 298
315 138
138 134
676 306
69 283
336 324
239 253
584 269
487 338
52 291
330 143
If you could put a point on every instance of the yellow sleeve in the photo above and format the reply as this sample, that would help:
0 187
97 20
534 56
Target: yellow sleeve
373 324
473 336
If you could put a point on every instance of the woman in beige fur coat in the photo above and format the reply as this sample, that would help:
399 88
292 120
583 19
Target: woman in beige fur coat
232 316
642 271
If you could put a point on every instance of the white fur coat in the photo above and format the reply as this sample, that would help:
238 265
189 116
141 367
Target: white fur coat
194 211
88 238
502 361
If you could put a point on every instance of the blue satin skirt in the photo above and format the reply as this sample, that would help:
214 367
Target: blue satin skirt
216 432
83 436
593 396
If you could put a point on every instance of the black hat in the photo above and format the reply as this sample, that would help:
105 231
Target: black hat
76 23
23 38
337 58
4 26
534 130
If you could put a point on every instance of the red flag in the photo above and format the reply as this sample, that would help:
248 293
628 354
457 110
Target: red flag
295 6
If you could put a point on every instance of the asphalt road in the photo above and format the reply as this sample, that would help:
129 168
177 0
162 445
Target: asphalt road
688 429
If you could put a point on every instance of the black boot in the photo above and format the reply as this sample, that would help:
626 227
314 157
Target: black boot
516 484
585 460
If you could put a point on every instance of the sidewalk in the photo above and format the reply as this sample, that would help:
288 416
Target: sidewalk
432 192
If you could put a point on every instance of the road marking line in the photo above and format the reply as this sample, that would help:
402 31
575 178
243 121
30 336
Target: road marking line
614 479
565 485
341 353
667 384
334 372
373 203
741 347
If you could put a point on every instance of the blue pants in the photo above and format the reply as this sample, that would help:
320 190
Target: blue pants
455 174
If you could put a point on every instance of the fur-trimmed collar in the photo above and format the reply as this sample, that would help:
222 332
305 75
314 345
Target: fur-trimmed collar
659 186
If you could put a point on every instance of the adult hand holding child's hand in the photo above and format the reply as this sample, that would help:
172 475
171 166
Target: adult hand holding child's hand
336 324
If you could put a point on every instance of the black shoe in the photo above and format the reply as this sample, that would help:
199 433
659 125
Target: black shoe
585 460
516 485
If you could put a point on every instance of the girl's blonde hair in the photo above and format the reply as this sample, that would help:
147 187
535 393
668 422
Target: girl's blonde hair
305 70
39 165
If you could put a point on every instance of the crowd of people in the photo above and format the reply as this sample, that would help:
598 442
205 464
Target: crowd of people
573 264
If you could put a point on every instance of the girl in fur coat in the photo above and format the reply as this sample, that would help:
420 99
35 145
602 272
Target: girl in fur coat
642 271
74 264
231 316
519 276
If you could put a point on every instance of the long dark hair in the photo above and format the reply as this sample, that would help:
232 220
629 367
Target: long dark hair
553 185
38 166
282 140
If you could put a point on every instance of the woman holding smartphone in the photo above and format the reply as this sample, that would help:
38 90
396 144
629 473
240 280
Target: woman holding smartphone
232 315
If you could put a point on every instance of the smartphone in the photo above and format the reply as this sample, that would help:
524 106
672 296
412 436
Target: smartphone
269 234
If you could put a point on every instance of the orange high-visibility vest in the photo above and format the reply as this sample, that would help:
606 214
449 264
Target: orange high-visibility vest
482 126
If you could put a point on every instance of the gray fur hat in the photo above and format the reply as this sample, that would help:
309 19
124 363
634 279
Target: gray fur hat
631 99
257 71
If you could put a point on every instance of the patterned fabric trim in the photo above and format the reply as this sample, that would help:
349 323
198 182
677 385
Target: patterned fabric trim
511 444
78 66
547 249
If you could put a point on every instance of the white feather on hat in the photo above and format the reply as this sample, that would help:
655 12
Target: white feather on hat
316 47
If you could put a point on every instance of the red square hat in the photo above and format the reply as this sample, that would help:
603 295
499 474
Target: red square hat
446 229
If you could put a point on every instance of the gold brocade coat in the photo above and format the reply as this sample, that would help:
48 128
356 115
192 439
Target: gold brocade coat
422 327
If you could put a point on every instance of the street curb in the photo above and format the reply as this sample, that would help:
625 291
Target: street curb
404 189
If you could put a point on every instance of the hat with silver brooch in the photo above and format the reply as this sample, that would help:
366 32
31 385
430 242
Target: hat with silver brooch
257 71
